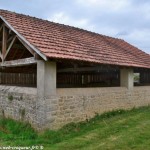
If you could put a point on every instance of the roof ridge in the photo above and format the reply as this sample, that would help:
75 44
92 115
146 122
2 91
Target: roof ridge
61 24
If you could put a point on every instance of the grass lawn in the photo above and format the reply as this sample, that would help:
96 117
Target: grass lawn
116 130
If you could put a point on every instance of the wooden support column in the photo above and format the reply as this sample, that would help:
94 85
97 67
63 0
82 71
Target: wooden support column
127 78
9 47
1 27
46 78
1 56
4 42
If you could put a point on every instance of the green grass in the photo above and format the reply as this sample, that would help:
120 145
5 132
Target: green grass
116 130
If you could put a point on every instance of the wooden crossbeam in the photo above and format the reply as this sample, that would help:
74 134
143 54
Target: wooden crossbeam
86 69
10 38
9 47
18 62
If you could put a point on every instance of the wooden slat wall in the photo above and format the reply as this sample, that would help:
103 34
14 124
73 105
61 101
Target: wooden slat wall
65 80
145 77
19 79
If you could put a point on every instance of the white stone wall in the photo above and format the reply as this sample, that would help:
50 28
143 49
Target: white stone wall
18 103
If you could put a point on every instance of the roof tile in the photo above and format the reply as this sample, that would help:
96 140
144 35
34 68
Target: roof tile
64 42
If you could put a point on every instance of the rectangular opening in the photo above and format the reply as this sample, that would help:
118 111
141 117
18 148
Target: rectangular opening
24 76
141 77
81 75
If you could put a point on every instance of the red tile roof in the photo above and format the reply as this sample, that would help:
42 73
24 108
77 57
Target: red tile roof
60 41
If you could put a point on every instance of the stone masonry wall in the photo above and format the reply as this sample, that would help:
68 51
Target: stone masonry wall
18 103
69 105
75 105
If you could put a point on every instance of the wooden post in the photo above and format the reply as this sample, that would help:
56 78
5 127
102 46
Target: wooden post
4 43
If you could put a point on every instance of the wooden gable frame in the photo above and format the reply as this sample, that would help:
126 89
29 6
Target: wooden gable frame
24 40
6 49
6 29
13 70
9 47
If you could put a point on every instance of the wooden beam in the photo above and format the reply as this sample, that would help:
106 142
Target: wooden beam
26 46
1 27
37 57
1 55
4 41
10 31
10 46
86 69
18 62
10 38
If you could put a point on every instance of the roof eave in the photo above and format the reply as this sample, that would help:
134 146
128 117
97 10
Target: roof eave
22 38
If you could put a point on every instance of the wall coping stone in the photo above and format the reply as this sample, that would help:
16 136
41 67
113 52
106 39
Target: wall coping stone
95 90
17 89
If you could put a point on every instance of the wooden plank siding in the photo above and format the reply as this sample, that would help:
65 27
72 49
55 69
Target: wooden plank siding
18 79
145 77
65 80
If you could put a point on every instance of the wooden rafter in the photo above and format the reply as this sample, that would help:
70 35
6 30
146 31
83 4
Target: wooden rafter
26 46
18 62
9 47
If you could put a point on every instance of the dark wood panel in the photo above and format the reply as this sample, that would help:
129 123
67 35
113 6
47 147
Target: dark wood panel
18 79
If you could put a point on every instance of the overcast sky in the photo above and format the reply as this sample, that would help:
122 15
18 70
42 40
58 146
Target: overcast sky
125 19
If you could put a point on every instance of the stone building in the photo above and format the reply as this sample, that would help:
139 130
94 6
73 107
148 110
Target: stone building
52 74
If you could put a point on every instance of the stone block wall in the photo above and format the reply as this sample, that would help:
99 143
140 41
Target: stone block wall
18 103
68 105
75 105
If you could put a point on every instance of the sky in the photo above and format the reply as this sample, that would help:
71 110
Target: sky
124 19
